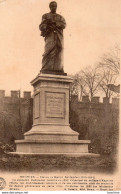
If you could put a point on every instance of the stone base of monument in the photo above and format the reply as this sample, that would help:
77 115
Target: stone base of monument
51 147
51 132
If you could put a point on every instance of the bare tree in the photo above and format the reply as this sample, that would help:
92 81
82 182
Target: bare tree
90 81
78 86
108 77
109 68
91 78
111 60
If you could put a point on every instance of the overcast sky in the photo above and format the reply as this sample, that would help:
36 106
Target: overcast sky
93 26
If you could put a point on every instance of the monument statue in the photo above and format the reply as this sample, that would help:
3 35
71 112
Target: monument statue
51 28
51 132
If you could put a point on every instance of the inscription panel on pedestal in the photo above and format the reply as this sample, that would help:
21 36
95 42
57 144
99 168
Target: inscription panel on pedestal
37 106
55 104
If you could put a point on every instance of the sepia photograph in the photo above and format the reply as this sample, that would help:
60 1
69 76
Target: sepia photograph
60 95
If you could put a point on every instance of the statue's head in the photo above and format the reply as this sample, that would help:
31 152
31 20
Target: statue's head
53 6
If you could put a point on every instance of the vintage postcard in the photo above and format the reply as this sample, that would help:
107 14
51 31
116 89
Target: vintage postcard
60 95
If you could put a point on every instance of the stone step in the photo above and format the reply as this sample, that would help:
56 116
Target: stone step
46 146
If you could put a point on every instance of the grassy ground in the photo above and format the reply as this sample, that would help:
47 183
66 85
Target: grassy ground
103 163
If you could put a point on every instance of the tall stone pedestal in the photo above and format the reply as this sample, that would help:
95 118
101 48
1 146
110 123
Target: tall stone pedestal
51 132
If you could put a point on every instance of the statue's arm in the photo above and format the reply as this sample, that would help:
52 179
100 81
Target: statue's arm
43 24
62 23
46 26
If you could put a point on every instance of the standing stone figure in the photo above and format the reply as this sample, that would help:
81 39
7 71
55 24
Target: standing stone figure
51 28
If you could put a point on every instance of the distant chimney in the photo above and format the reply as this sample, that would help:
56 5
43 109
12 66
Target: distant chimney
27 94
115 101
14 94
106 100
2 93
95 99
85 98
74 98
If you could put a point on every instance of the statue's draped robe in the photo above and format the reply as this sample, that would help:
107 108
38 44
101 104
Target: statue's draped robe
53 55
